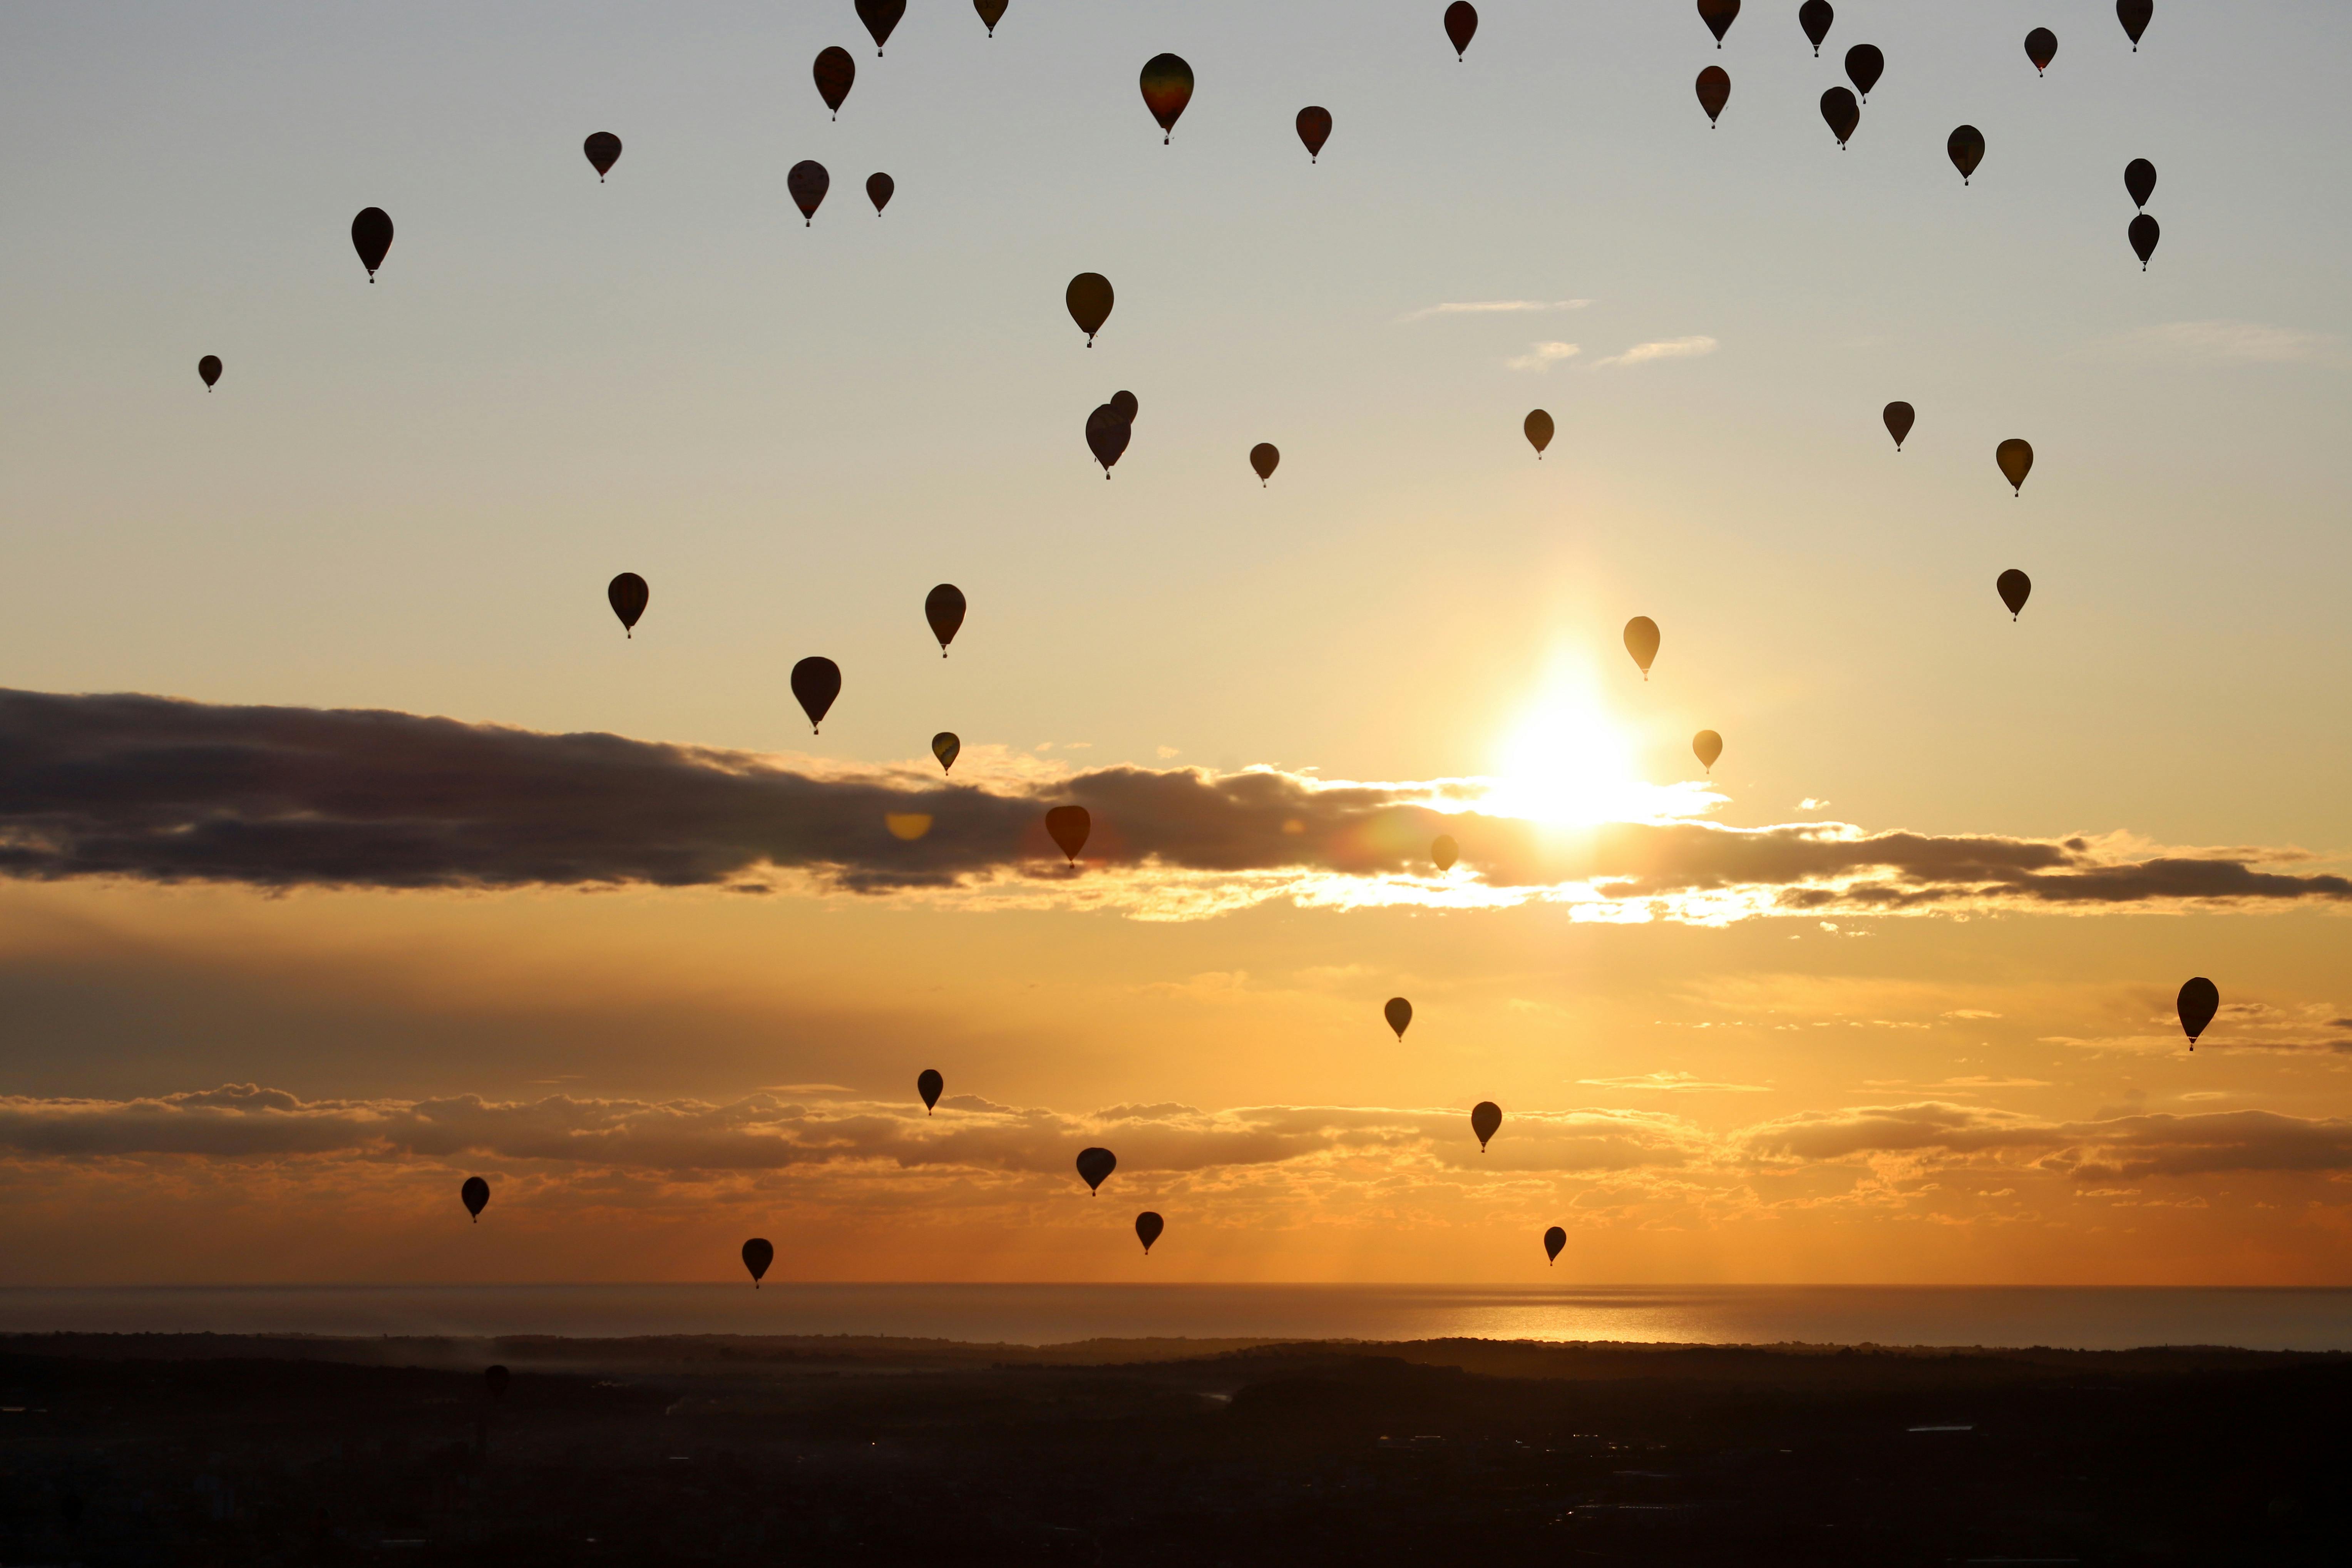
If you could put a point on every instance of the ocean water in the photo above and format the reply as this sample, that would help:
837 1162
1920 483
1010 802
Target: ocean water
2099 1319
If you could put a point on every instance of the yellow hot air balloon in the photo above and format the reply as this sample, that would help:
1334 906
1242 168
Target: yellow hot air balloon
1708 745
1442 852
1642 642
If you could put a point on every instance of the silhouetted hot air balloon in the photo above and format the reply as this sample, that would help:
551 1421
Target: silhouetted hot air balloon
947 746
476 1195
2199 1000
1554 1239
2014 587
929 1084
816 681
1460 25
879 189
603 150
1714 92
1707 745
1864 66
757 1256
495 1380
1067 826
1096 1165
2139 179
1399 1013
835 74
1124 404
1089 299
2134 14
1484 1118
1841 113
1965 148
808 182
1444 851
2144 233
2041 47
1899 417
880 17
372 238
2016 460
1108 435
943 607
208 370
1313 130
1148 1227
1642 642
1540 431
1264 458
1718 16
628 594
1167 83
991 12
1815 17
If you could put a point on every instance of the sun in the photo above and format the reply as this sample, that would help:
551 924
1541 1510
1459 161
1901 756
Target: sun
1569 761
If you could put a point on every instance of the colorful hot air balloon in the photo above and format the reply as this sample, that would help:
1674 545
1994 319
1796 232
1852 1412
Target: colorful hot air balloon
1443 852
1313 130
372 238
880 17
1167 83
991 12
1108 435
947 746
943 607
835 74
879 189
1714 92
1484 1118
1399 1013
1096 1165
1707 745
1899 417
816 681
476 1195
1068 826
1148 1227
2139 179
1842 113
1089 299
208 370
1815 17
2144 233
1965 147
757 1256
1124 404
1538 428
1264 458
2016 460
2014 588
2041 47
603 150
1718 16
495 1380
2199 1000
1461 27
1864 66
2134 14
628 594
1642 642
808 182
1554 1239
929 1084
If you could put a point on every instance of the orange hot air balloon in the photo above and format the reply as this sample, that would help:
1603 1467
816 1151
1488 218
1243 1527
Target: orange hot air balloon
1265 459
476 1195
2199 1000
808 182
1484 1118
603 150
879 189
1148 1227
1965 148
1399 1013
1714 92
757 1256
1068 826
1096 1165
816 681
1461 27
1642 642
1443 852
880 18
2041 47
208 370
2016 460
1718 16
1708 746
1554 1239
1167 83
947 747
1089 299
628 594
992 12
1313 130
2014 588
1899 417
1538 428
943 607
835 74
2134 14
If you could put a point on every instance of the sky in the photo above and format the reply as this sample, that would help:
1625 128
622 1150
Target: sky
348 847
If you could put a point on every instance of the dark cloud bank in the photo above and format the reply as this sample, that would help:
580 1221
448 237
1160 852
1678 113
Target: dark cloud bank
165 791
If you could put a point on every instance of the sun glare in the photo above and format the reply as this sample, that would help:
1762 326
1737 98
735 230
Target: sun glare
1569 763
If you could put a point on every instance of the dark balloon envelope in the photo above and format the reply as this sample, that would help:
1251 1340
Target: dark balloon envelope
2139 180
1125 406
2134 14
1864 66
992 12
372 238
947 746
208 370
1554 1239
1399 1013
1965 148
2199 1000
1484 1118
1815 17
1642 642
1718 16
1096 1165
757 1256
603 150
2041 47
879 189
1443 852
1841 113
835 74
929 1084
1089 299
808 182
2016 459
2144 232
628 594
880 17
495 1380
1148 1227
1460 25
1264 458
1167 83
2014 588
476 1195
943 607
1108 435
1714 91
1707 745
1069 827
816 681
1313 130
1899 417
1538 428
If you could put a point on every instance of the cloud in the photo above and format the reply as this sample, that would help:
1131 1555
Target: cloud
1673 347
1543 356
2128 1146
1672 1083
1493 307
281 798
2239 342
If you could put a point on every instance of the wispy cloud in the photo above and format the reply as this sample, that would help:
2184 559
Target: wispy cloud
1543 356
1670 348
1672 1083
2242 341
1493 307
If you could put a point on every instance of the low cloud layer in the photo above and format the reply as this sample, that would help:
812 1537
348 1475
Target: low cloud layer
281 798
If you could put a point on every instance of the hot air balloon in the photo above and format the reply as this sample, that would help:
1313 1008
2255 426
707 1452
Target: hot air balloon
1864 66
495 1380
2016 460
1642 642
1313 130
2144 233
2014 587
879 189
1167 83
1484 1118
1108 435
1841 113
2139 179
1899 417
947 747
757 1256
1718 16
1096 1165
2134 14
1067 826
2041 47
1714 92
943 607
603 150
2199 1000
929 1084
808 182
816 681
1089 299
1815 17
372 238
1539 429
1124 404
1399 1013
1554 1239
1264 458
208 370
1443 852
1148 1227
880 17
1965 148
476 1195
835 73
1461 27
627 594
991 12
1707 745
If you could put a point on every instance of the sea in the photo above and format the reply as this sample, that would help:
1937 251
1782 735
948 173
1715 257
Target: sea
2115 1317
